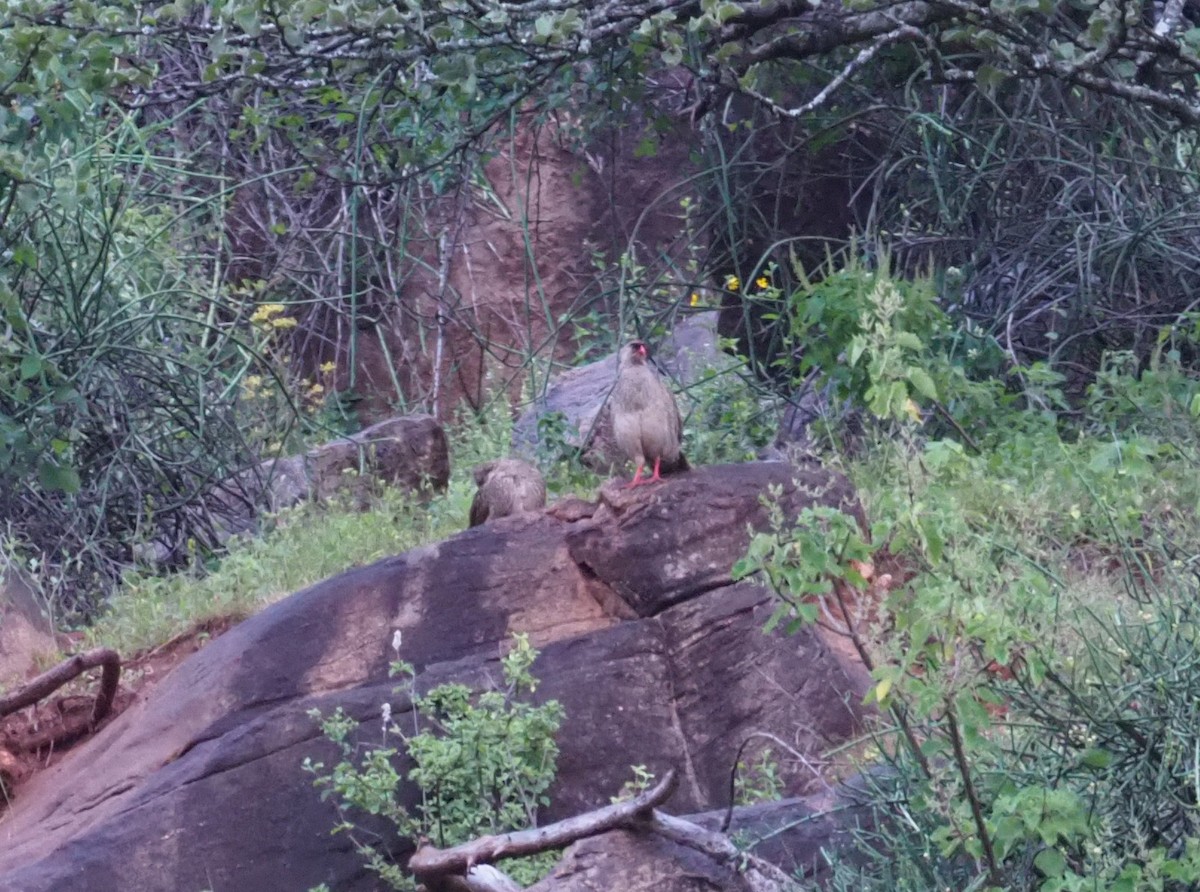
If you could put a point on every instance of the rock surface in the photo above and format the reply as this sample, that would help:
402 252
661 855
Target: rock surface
657 658
26 633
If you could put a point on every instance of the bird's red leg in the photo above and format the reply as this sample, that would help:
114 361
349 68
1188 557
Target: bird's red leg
656 476
637 478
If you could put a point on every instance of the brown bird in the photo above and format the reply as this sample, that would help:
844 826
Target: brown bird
645 417
506 486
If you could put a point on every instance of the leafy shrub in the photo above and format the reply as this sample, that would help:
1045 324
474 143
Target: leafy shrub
875 342
483 764
1035 657
117 422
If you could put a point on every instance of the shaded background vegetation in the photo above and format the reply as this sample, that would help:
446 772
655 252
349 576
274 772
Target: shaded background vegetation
170 169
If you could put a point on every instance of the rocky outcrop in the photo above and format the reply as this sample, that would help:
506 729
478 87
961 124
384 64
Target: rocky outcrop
657 658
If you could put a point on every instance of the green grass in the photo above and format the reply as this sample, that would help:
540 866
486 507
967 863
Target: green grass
303 546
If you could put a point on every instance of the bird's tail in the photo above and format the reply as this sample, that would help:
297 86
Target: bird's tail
678 466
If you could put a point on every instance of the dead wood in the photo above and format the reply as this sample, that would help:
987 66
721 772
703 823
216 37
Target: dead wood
760 875
50 681
429 862
451 869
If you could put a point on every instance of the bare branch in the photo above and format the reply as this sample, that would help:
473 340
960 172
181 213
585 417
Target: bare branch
428 861
760 875
904 32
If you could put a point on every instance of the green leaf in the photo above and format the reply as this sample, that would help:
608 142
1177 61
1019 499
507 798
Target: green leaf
1096 757
58 478
647 148
1050 862
31 366
989 78
919 378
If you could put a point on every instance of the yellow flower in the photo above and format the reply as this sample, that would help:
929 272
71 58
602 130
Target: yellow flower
284 322
763 282
695 301
265 312
733 283
328 368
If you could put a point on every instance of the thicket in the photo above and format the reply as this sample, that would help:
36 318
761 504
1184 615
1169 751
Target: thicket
1033 642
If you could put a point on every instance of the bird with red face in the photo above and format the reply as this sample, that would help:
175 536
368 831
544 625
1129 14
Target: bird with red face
645 417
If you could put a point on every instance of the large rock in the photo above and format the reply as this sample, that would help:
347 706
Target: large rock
657 658
409 452
26 633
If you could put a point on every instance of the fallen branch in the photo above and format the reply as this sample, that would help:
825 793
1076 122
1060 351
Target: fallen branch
760 875
455 868
50 681
428 862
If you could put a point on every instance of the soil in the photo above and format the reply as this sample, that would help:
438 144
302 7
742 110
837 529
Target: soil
36 737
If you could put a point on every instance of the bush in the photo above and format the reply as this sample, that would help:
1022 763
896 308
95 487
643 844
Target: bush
1034 655
483 764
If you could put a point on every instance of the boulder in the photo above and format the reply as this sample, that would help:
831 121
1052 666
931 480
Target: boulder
26 633
657 658
408 451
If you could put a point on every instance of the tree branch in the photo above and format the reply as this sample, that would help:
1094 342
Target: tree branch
55 678
428 861
450 869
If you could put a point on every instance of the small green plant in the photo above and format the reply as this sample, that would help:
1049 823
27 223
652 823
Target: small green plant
758 779
482 762
726 417
643 779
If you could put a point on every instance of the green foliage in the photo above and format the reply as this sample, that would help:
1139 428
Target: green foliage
558 452
883 344
758 779
116 416
1040 720
642 780
1160 399
483 763
726 416
801 561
